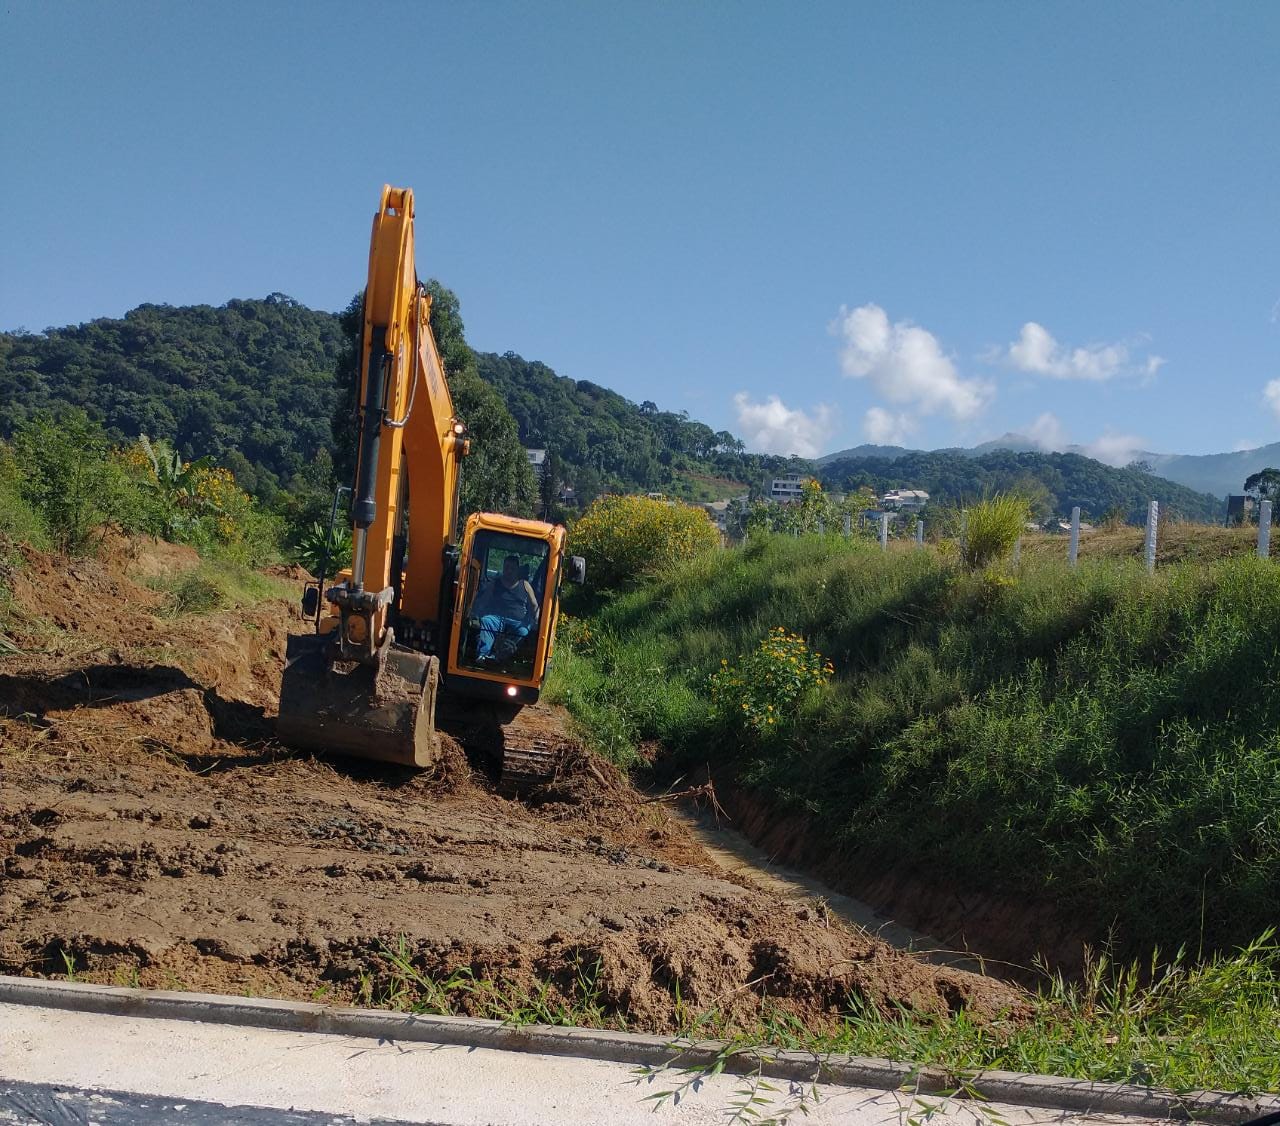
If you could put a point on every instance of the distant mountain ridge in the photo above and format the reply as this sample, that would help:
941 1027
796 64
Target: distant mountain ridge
1220 474
1217 474
1054 483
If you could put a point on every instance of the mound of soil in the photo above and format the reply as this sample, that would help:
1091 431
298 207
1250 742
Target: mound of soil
155 833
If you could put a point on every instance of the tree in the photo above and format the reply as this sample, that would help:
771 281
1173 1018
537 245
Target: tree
549 488
176 486
65 476
814 509
497 476
1265 484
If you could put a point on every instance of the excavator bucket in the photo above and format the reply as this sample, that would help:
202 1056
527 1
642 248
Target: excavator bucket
385 713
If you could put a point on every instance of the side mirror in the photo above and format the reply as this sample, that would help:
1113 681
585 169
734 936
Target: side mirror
310 601
575 569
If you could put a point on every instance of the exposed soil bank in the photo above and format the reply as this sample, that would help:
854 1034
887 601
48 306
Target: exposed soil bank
1007 935
153 832
735 854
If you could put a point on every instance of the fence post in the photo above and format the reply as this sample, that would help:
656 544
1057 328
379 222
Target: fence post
822 527
1264 529
919 532
1017 551
964 531
848 523
884 530
1153 523
1073 548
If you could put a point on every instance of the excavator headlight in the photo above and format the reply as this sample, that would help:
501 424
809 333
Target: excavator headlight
512 690
458 428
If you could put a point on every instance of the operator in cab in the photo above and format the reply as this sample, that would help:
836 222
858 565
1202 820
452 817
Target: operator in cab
506 606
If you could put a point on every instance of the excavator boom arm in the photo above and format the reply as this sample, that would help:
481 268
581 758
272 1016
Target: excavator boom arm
406 420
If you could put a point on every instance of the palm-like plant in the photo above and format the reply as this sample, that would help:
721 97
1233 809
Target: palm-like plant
174 481
319 546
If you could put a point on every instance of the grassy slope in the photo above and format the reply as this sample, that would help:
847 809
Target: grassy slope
1101 736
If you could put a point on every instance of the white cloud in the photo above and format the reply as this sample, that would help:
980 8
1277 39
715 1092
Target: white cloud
885 428
1271 395
1115 449
1048 433
774 428
1243 445
1037 352
905 363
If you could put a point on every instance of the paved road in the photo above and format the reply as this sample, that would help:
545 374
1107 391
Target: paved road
65 1066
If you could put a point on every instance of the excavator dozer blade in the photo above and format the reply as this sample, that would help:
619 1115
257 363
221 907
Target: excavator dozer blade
385 713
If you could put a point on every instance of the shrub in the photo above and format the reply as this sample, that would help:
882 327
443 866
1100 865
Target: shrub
66 475
19 521
317 545
769 683
627 538
197 503
992 527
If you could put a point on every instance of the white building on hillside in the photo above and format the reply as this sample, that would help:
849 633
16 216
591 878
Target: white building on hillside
904 500
787 488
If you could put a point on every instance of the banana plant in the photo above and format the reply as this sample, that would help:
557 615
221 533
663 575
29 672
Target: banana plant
175 482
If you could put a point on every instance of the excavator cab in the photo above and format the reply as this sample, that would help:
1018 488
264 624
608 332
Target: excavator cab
502 606
505 608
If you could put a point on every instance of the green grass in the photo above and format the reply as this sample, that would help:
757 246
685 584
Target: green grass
1099 737
1171 1023
217 584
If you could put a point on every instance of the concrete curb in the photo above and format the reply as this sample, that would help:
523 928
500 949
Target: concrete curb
630 1048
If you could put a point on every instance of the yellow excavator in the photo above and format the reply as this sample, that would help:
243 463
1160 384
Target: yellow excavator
419 612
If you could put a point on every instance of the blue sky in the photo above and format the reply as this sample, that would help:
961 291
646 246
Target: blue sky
812 224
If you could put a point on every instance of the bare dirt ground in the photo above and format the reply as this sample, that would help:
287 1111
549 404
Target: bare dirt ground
152 832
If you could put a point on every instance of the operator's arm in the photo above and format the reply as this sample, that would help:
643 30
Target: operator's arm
531 612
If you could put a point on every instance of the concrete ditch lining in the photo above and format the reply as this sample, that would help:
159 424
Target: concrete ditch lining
1042 1091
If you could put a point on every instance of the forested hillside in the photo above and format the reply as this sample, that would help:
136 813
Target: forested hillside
250 383
1056 482
258 385
607 441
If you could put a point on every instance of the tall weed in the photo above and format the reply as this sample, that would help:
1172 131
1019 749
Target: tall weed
991 528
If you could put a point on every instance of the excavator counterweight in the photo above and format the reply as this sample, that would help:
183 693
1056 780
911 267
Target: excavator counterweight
421 609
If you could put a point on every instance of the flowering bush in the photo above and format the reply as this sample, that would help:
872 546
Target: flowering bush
574 632
194 502
768 683
625 538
